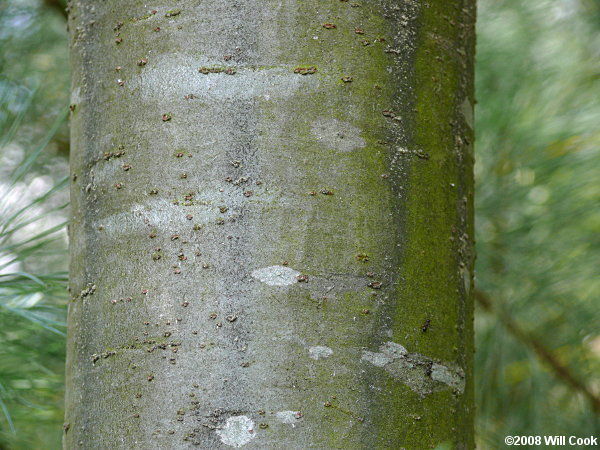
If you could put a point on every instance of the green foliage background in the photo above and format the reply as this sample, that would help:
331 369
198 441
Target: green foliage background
538 214
537 210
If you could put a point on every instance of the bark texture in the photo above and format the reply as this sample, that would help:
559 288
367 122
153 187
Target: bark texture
271 224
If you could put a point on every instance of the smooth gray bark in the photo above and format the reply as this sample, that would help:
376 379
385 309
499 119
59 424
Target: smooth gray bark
271 231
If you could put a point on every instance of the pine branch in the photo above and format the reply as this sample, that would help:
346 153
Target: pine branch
559 369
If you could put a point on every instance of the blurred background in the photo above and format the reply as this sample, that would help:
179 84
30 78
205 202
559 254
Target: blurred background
537 213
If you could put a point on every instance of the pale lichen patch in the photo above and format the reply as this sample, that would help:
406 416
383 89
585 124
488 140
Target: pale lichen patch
466 280
467 111
76 96
177 73
393 349
377 359
276 275
338 135
388 353
289 417
444 375
238 431
416 371
319 352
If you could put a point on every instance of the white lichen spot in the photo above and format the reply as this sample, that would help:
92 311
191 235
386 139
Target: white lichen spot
338 135
289 417
276 275
238 431
418 372
467 111
173 75
388 352
319 352
75 96
392 349
467 280
444 375
377 359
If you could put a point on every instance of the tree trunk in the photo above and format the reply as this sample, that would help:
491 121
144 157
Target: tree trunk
271 237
